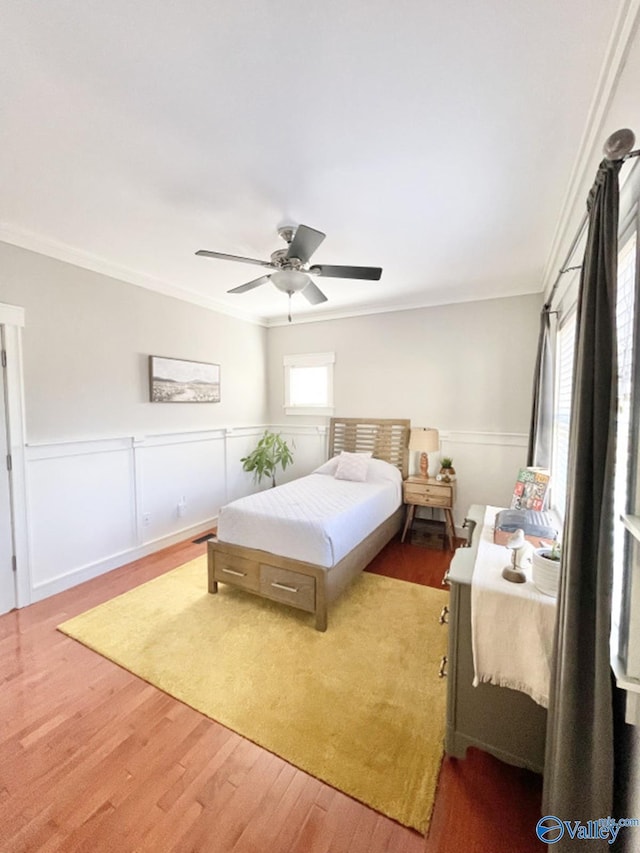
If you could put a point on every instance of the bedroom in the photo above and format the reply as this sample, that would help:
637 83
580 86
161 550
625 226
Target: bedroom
106 470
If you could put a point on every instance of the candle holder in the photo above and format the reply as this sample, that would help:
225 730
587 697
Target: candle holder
512 573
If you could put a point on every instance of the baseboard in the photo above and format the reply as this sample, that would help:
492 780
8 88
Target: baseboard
65 581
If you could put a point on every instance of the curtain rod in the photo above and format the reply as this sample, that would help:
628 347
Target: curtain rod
617 139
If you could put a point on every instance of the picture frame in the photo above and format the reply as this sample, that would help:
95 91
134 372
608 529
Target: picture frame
179 380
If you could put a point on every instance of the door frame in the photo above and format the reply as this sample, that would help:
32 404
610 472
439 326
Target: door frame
12 317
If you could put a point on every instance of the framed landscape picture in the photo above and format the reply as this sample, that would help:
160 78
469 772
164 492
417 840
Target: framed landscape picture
174 380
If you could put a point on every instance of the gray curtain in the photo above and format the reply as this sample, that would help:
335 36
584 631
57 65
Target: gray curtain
541 428
578 783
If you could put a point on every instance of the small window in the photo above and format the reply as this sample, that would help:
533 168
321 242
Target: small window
308 383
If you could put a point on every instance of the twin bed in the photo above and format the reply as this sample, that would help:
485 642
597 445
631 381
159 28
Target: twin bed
303 543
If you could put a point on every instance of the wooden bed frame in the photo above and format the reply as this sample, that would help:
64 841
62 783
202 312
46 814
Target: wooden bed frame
307 586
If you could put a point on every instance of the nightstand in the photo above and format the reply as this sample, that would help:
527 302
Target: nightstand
421 491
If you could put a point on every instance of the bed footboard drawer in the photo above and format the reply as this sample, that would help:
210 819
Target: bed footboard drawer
238 571
289 587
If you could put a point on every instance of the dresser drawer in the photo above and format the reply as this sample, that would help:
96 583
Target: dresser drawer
289 587
237 571
428 495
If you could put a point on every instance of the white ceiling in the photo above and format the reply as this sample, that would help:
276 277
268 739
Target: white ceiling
432 139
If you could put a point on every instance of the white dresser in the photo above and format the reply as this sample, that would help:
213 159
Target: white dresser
501 721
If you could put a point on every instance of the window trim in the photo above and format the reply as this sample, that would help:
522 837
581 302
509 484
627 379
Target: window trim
621 614
625 653
569 315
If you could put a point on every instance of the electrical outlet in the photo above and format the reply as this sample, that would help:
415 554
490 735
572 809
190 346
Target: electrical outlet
146 519
182 507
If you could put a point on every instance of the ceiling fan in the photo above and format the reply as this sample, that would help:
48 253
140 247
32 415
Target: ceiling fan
291 266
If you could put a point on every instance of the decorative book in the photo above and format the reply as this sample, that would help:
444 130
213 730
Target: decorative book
530 490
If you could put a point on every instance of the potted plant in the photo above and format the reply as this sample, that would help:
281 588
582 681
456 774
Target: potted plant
545 564
270 452
447 471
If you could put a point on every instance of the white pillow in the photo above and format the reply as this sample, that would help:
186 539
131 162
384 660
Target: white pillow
379 470
352 466
328 467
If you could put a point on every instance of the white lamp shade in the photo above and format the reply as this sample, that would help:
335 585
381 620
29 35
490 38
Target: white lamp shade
424 440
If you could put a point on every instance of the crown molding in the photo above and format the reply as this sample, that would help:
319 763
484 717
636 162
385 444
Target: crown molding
388 308
85 260
593 137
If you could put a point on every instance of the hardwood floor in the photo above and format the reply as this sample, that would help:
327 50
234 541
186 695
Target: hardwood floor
94 759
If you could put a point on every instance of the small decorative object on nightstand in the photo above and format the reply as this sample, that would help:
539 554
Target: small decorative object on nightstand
421 491
512 572
447 471
424 440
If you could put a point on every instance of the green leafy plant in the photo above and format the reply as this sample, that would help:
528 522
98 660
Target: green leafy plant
270 452
555 553
446 462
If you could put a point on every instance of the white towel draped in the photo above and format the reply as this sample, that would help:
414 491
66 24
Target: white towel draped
511 624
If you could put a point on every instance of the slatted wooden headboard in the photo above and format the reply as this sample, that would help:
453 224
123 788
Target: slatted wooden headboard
386 438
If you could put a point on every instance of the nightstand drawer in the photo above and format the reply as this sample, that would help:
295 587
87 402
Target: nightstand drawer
429 500
428 495
238 571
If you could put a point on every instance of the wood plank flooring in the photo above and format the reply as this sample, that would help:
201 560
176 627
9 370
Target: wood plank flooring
94 759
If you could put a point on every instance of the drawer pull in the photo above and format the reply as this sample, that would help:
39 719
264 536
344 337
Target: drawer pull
443 620
284 586
234 573
442 672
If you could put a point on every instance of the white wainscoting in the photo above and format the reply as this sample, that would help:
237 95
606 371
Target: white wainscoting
310 448
95 505
98 504
81 509
486 466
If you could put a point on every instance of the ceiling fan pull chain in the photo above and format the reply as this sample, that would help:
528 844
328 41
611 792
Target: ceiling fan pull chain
289 306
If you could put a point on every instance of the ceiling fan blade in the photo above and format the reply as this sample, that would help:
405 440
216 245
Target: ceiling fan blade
313 294
368 273
304 243
242 288
205 253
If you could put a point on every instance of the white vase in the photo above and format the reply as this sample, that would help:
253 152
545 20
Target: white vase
546 572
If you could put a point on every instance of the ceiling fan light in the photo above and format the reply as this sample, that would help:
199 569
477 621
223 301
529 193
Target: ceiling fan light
290 281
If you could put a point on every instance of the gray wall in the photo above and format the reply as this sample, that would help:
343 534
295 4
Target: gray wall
466 369
87 338
466 366
86 345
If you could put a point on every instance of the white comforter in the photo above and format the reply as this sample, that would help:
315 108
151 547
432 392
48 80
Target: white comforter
317 518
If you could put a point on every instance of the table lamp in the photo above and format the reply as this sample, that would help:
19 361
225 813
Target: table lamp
424 440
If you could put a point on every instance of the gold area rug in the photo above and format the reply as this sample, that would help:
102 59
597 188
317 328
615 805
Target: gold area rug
360 706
